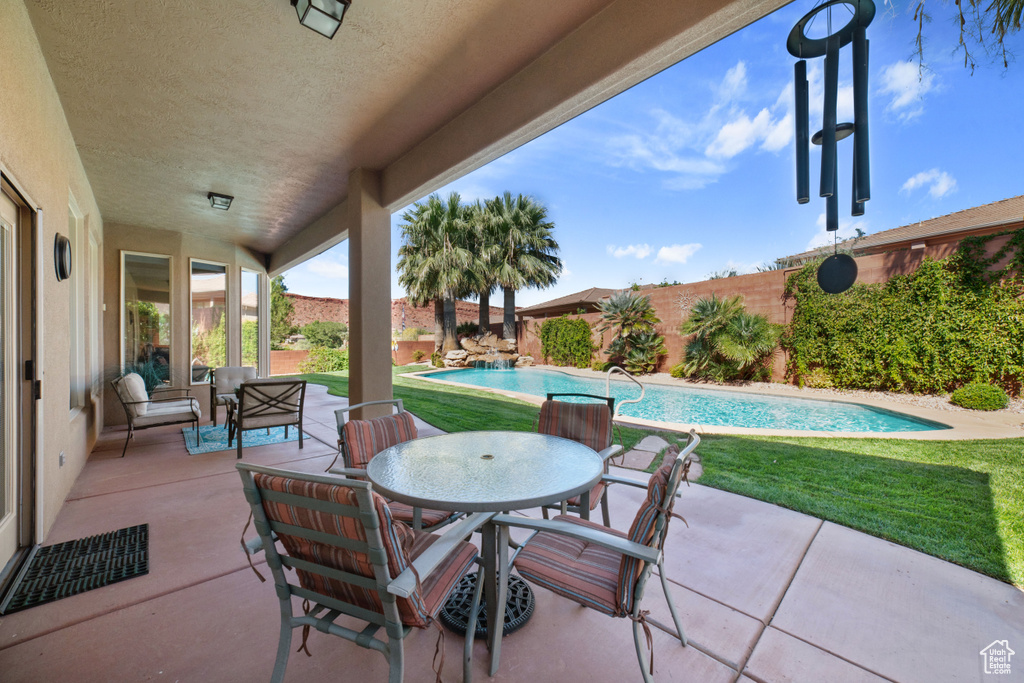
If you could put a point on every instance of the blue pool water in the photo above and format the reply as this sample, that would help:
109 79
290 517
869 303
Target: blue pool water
688 405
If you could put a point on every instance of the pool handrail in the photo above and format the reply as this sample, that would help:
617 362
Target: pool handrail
608 388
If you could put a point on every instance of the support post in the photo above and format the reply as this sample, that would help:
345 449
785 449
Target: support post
369 277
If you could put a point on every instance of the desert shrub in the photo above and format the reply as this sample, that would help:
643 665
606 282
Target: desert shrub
417 355
412 334
977 396
467 329
325 333
325 360
436 360
566 341
647 348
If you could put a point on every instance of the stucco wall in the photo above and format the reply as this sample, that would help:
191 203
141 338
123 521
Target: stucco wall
762 293
38 154
307 309
180 247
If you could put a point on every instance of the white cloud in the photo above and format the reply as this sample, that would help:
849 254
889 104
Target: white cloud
329 269
939 183
637 250
907 85
847 230
677 253
742 268
734 84
693 153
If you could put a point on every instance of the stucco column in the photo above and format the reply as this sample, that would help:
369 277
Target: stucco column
369 286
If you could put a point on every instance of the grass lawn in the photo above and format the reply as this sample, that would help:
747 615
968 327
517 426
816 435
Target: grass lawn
962 501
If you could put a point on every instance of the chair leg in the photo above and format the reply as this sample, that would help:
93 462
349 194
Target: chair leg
671 604
284 648
474 613
396 660
286 431
238 436
640 653
544 511
126 440
605 514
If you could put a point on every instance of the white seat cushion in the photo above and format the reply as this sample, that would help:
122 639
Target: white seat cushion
170 411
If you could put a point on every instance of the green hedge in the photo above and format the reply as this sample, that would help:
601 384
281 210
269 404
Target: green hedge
325 360
950 323
566 341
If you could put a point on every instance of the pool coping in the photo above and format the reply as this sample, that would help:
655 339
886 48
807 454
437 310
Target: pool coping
962 425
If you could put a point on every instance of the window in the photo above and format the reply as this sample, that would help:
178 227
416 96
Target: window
209 336
76 323
95 317
250 341
146 317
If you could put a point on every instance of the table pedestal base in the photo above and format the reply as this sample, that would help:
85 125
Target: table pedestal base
518 607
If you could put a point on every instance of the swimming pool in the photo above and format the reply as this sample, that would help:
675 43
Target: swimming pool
694 406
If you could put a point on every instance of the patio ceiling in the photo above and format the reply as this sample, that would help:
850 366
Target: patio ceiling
168 101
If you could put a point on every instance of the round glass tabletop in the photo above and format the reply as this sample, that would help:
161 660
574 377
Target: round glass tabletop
484 471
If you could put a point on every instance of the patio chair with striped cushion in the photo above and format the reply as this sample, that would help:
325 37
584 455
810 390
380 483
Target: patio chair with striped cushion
360 440
591 425
602 568
350 557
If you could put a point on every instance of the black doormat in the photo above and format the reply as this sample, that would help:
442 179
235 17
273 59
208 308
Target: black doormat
57 571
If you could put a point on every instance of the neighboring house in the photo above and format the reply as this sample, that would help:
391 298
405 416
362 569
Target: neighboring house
571 303
937 237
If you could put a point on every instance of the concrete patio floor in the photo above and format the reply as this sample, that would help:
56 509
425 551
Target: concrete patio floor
765 594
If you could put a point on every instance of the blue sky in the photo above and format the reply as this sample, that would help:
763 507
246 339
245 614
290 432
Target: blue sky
692 171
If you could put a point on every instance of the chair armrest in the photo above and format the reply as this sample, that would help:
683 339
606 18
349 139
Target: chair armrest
615 479
254 545
187 392
171 399
404 584
601 538
610 452
350 472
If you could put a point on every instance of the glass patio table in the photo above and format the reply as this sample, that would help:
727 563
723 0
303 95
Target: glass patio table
487 472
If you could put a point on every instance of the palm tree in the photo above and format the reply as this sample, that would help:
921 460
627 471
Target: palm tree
483 247
628 315
728 343
435 260
524 250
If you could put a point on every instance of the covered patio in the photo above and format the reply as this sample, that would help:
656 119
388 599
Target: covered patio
766 594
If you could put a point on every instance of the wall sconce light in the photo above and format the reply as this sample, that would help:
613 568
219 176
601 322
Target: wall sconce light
322 16
220 201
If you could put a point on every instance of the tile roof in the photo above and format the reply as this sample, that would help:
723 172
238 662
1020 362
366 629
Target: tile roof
587 296
1004 211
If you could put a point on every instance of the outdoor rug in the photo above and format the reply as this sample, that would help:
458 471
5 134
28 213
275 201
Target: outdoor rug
215 438
58 571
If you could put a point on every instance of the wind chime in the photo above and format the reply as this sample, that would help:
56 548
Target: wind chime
839 271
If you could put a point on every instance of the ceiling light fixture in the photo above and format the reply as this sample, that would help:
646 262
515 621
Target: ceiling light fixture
322 16
220 201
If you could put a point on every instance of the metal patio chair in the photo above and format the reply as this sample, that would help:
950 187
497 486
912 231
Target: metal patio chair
350 557
360 440
589 424
265 403
604 569
144 411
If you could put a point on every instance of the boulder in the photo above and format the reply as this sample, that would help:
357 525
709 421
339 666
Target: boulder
524 361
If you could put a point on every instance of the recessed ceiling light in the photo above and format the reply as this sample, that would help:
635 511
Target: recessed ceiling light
220 201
